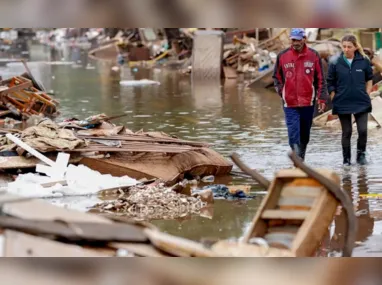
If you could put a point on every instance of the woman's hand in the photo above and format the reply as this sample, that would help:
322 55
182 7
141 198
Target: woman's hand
369 86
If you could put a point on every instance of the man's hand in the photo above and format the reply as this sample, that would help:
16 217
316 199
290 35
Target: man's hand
321 107
332 95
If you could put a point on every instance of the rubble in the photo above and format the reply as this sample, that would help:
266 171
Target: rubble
245 56
153 202
45 136
22 97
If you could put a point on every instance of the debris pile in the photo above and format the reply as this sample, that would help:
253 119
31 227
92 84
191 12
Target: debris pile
244 55
45 136
21 97
153 202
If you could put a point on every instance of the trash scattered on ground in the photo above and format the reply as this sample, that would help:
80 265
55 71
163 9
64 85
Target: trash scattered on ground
228 192
208 179
153 202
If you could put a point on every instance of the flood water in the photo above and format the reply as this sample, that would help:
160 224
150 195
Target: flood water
249 122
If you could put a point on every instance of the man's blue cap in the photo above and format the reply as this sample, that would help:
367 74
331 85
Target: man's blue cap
297 34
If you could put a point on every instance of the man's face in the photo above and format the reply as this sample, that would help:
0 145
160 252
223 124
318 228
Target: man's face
298 44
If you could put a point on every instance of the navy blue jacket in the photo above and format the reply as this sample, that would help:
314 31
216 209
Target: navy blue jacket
349 84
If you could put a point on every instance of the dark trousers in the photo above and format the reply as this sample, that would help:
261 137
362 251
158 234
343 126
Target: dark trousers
361 120
299 122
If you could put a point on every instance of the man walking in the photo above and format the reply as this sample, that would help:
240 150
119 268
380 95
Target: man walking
299 80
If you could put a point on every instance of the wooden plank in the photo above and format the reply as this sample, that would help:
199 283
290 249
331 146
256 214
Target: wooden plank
5 113
285 215
105 167
258 226
315 226
145 250
177 246
298 173
19 162
296 203
234 249
286 229
130 149
301 191
23 245
16 88
76 231
142 138
41 210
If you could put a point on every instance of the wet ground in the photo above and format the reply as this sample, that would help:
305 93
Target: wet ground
249 122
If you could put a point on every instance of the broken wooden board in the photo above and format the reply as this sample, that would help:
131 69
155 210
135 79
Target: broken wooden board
5 113
169 168
177 246
139 249
312 222
238 249
76 231
40 210
23 245
21 162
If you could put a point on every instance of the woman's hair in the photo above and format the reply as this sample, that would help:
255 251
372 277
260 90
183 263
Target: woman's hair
354 41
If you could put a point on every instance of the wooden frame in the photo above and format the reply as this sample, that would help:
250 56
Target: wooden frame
310 226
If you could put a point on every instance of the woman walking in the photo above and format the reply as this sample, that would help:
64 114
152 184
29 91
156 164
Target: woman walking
349 84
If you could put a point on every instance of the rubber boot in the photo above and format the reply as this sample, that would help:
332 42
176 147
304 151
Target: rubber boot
361 157
346 152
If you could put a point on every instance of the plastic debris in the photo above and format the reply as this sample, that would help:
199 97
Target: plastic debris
138 82
81 180
208 179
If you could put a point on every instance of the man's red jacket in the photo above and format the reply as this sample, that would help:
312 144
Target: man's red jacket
299 78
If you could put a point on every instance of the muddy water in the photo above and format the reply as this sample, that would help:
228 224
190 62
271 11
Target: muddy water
249 122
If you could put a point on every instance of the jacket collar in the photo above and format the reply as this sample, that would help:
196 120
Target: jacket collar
357 56
302 52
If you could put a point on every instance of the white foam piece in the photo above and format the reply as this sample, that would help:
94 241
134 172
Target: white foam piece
81 180
138 82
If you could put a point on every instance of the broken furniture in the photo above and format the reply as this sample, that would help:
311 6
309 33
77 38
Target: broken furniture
19 97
